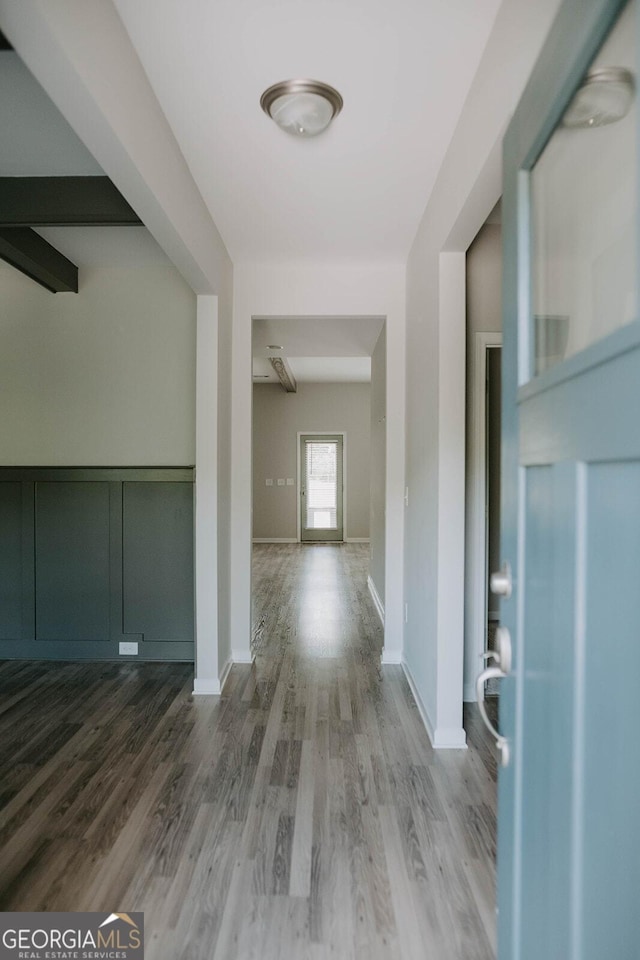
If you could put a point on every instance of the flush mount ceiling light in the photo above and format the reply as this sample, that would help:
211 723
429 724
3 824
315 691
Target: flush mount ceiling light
303 108
604 97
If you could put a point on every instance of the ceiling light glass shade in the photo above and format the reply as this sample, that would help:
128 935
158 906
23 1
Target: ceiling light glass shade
605 97
303 108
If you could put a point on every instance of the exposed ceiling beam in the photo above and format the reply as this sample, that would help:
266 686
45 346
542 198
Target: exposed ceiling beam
285 374
64 202
30 253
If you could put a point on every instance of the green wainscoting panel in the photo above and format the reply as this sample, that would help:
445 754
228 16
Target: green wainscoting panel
158 560
93 556
72 561
10 560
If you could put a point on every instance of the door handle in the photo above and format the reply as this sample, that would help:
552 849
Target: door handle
501 582
502 656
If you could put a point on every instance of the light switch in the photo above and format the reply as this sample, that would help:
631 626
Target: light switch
289 481
280 482
269 483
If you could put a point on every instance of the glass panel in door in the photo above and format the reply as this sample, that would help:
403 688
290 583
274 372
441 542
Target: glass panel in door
584 209
321 487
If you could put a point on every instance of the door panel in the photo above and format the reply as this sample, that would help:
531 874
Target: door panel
546 751
608 818
569 844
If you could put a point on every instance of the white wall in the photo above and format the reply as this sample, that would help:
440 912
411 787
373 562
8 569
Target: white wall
484 315
104 377
484 282
378 460
278 417
467 188
299 290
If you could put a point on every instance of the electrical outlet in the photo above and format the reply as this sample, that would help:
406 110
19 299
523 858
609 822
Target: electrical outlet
290 481
406 613
128 648
268 483
281 483
406 496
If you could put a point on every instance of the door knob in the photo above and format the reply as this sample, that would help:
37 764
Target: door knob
502 656
501 583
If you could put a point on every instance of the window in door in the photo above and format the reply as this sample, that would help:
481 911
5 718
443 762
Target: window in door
584 239
321 487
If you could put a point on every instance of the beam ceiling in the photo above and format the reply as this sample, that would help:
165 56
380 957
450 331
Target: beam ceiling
30 253
27 202
63 202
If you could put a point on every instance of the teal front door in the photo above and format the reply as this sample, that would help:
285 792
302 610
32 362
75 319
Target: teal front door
569 792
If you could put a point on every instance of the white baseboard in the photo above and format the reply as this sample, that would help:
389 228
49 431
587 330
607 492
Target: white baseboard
224 673
274 540
441 738
242 656
450 738
390 657
206 688
212 687
379 605
357 540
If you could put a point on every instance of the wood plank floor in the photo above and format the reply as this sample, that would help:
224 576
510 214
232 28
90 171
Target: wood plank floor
301 815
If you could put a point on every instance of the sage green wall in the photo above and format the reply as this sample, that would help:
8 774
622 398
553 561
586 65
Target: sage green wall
277 419
378 461
105 377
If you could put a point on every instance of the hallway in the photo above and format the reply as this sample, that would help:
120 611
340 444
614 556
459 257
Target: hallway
301 815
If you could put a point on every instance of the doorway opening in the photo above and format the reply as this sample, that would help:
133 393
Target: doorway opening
483 418
318 382
321 486
493 379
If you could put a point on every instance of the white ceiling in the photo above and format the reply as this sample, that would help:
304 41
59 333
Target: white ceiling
105 246
317 370
316 336
318 349
354 193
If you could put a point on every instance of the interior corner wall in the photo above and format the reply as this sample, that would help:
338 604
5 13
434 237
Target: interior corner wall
104 377
467 188
319 290
484 315
378 459
278 418
225 337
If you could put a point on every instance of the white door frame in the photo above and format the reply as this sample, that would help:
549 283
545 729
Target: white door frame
323 433
477 572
